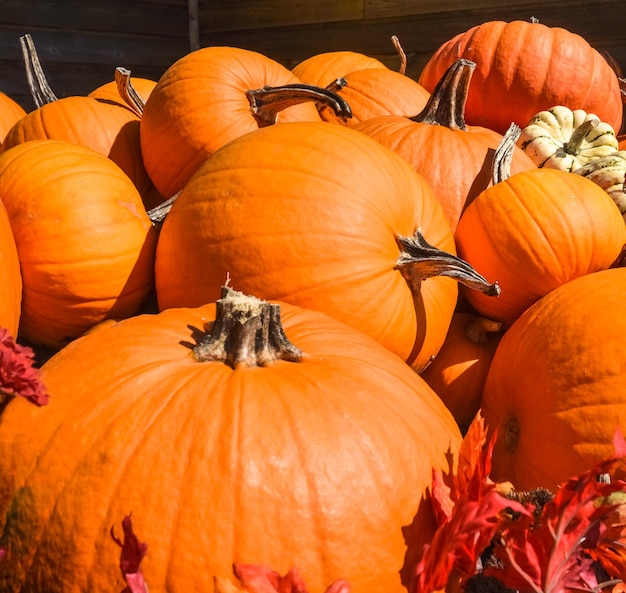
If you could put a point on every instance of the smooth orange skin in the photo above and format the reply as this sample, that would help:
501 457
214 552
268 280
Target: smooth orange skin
535 231
375 92
523 68
108 128
308 213
10 276
559 370
458 373
85 243
323 68
457 164
10 112
300 465
200 104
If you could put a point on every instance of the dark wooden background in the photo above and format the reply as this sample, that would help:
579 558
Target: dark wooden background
80 42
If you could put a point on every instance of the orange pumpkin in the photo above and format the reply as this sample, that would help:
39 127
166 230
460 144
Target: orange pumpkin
555 388
106 127
10 276
454 158
109 91
458 373
375 92
527 67
324 68
533 232
10 112
208 98
318 215
85 243
303 452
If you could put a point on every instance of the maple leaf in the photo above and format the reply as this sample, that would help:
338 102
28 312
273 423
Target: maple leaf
555 552
131 556
470 513
18 375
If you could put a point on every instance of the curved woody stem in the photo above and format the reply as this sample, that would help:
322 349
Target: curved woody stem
127 91
266 103
40 89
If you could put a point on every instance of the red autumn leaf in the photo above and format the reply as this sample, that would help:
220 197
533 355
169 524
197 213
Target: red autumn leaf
18 376
256 578
556 553
131 556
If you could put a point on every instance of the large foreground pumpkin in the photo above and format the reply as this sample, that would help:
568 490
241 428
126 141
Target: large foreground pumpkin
313 452
313 214
555 388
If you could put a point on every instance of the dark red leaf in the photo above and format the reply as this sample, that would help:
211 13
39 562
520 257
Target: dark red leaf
133 552
18 376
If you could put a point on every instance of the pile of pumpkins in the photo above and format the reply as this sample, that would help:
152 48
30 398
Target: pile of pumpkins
273 300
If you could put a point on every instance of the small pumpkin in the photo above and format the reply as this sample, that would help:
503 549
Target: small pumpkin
536 230
321 216
566 139
609 173
324 68
525 67
110 91
10 276
554 391
10 112
240 432
85 243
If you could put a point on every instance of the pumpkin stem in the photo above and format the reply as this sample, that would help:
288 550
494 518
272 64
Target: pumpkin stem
503 155
478 329
401 53
420 260
246 331
40 89
572 146
127 91
446 105
267 102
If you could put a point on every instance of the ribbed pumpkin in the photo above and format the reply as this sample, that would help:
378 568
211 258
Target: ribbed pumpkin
324 68
312 213
10 112
555 388
85 243
10 276
376 92
204 100
527 67
454 158
312 452
533 232
458 373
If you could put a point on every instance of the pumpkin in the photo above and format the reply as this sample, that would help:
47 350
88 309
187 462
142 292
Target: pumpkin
322 69
245 432
459 371
534 231
458 158
375 92
10 112
609 173
85 243
524 67
566 139
110 91
108 128
324 217
555 387
10 276
212 96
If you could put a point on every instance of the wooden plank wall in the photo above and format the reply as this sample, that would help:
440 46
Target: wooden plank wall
80 42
